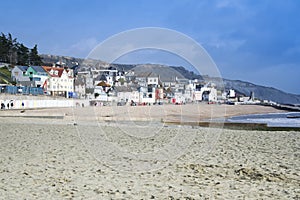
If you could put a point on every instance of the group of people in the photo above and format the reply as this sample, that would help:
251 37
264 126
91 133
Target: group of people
8 105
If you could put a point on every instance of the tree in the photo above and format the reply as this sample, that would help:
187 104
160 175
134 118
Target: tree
23 55
13 52
12 49
34 58
4 48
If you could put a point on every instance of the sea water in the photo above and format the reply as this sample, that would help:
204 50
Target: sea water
272 119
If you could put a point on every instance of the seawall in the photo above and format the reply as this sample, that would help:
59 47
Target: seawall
31 102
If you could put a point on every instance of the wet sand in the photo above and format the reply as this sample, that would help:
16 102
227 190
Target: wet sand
98 153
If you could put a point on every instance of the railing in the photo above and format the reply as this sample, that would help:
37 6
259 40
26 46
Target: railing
10 89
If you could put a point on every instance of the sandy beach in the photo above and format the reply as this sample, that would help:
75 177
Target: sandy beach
188 112
128 153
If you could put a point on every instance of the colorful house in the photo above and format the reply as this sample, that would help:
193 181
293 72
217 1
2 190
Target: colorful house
37 75
34 76
18 74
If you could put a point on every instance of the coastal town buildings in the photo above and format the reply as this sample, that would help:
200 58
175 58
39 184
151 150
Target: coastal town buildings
107 84
127 94
60 81
33 76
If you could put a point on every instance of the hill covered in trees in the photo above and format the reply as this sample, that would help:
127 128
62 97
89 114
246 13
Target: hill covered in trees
16 53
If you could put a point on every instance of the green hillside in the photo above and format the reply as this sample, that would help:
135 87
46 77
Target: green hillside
5 75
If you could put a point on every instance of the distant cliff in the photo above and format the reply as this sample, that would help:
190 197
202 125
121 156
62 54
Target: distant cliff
262 92
169 72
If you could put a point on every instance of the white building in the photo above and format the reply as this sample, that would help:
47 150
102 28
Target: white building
147 95
60 81
79 87
18 74
127 94
100 94
206 94
231 94
152 79
147 78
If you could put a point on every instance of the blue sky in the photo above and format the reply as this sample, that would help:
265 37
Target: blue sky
255 40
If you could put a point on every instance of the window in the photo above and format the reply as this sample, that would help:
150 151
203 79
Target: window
36 79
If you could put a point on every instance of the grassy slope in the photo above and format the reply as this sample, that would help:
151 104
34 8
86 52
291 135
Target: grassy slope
5 75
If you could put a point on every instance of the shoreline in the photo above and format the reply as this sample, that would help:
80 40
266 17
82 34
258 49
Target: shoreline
189 111
202 115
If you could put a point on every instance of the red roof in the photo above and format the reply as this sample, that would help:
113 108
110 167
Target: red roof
60 71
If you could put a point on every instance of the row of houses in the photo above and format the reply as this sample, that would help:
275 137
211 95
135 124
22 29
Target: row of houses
111 85
55 81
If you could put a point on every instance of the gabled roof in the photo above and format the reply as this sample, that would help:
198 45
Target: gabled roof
38 69
103 84
58 69
23 68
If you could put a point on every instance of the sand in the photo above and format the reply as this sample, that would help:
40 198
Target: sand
94 154
189 112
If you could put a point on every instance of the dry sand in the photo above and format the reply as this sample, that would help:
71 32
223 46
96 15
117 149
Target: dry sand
189 112
128 159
